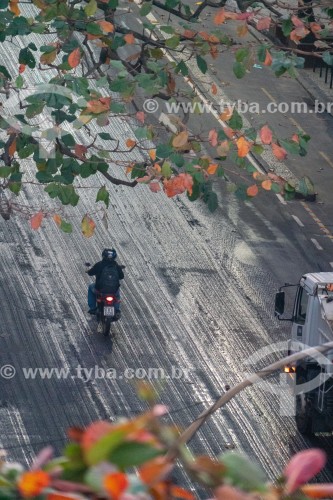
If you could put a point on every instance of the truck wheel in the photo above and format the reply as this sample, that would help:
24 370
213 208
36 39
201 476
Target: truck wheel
303 411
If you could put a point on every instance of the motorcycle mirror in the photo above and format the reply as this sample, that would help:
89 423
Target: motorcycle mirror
87 264
122 267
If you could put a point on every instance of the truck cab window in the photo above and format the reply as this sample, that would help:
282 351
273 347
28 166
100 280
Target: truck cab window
301 306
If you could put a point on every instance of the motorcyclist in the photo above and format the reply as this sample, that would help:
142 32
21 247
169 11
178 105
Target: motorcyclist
109 256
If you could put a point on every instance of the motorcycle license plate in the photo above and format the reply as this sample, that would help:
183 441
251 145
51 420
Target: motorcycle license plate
108 311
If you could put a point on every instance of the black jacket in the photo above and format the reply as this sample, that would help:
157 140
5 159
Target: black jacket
99 266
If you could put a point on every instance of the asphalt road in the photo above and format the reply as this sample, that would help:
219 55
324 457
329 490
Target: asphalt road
198 296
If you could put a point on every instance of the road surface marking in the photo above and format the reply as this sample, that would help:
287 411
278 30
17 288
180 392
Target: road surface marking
297 125
318 221
300 223
281 199
330 162
316 244
268 94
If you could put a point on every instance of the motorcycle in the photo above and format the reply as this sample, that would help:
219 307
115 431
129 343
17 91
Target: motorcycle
106 312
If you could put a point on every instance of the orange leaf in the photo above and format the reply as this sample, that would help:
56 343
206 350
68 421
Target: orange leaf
32 483
219 17
299 33
242 30
129 169
106 26
279 153
74 58
115 484
214 89
36 220
98 106
227 114
212 137
243 146
14 8
266 185
57 219
318 490
12 148
180 140
268 59
22 68
252 190
87 226
213 51
266 135
130 143
178 184
211 170
155 470
178 492
129 38
152 154
263 23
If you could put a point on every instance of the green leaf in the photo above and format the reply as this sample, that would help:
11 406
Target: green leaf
4 4
242 54
103 195
212 201
163 151
106 136
102 450
261 53
27 151
181 68
172 42
287 27
4 71
202 65
5 172
166 170
239 70
34 109
167 29
132 454
27 57
236 121
290 146
91 8
19 82
328 58
257 149
94 29
243 472
66 227
305 186
145 9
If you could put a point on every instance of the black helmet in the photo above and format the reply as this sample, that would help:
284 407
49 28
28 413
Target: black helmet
109 254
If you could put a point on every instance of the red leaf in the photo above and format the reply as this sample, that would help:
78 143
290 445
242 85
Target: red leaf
302 467
296 21
212 137
140 116
155 187
266 135
80 150
22 68
178 184
263 23
252 190
36 220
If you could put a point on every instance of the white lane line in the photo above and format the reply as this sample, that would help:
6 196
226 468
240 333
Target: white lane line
316 244
300 223
281 199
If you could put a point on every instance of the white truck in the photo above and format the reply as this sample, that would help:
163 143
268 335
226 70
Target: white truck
312 325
